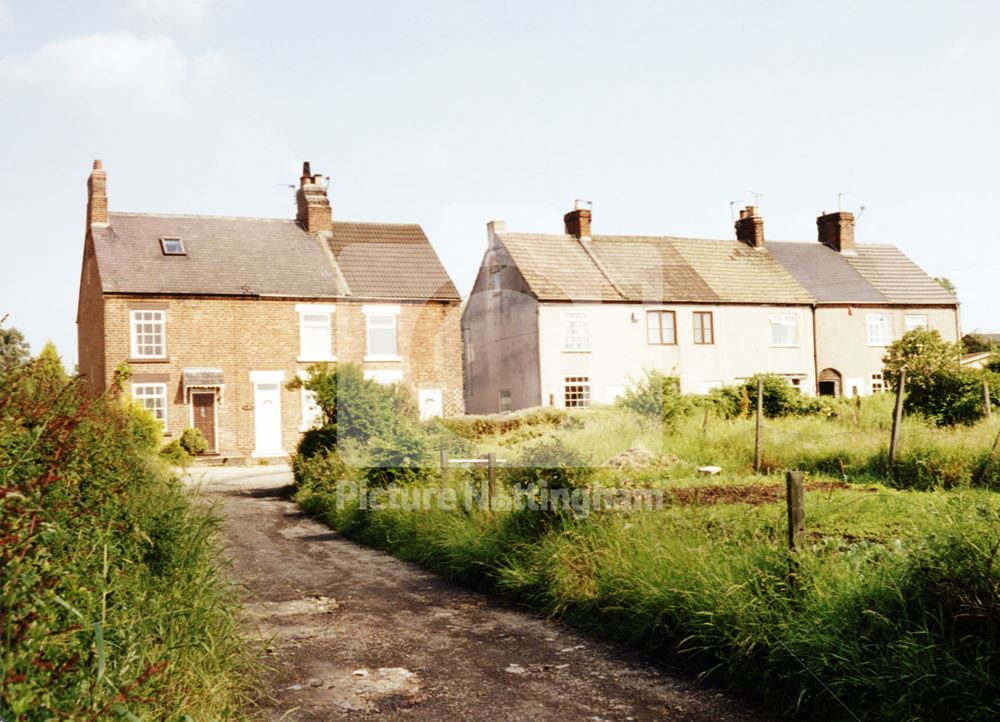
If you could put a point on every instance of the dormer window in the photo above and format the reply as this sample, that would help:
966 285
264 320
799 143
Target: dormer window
172 247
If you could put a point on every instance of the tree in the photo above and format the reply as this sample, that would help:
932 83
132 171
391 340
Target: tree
14 349
937 386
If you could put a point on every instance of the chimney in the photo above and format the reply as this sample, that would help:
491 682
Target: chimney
750 227
578 221
97 196
314 213
836 230
492 229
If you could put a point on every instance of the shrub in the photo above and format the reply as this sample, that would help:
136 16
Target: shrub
657 396
403 459
475 428
780 399
193 442
176 454
317 441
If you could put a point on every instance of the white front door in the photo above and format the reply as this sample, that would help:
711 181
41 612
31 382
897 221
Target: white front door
267 418
430 403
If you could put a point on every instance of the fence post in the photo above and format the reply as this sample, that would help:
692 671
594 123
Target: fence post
491 471
987 404
444 467
990 460
795 493
758 450
897 418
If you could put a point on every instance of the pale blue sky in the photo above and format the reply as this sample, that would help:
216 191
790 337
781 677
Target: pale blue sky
449 113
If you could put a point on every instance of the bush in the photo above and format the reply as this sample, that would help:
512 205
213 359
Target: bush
780 399
404 459
317 441
475 428
176 454
112 603
657 396
193 442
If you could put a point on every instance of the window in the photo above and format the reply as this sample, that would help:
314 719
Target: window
915 321
704 332
576 330
381 322
172 247
149 334
576 392
497 282
154 398
314 337
505 405
878 383
784 330
879 329
661 328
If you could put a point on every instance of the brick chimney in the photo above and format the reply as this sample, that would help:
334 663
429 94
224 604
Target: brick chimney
836 230
314 212
97 196
578 221
750 227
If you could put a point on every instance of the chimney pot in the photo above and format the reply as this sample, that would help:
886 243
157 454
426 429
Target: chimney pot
98 165
836 231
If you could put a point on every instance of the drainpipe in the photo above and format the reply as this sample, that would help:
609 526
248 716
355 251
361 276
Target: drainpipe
815 354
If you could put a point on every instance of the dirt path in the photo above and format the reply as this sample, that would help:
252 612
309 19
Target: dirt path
356 634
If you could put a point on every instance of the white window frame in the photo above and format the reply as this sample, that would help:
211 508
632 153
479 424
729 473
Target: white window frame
135 320
583 344
883 333
173 239
315 309
386 377
372 311
161 392
785 320
924 324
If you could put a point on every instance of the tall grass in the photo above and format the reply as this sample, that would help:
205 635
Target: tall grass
112 604
891 609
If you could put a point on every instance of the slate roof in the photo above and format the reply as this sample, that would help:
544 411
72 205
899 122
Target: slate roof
692 270
268 257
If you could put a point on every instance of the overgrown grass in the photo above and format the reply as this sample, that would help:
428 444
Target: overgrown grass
112 605
891 610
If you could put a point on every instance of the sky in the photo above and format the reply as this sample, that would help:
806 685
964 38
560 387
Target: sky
450 113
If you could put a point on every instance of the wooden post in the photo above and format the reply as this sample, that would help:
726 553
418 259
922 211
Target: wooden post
990 460
897 418
444 467
987 404
758 451
795 493
491 471
704 424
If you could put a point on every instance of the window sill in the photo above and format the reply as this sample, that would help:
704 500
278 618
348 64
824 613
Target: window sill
784 345
661 344
150 360
576 350
311 360
383 357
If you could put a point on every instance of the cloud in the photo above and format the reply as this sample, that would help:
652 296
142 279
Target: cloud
151 70
185 14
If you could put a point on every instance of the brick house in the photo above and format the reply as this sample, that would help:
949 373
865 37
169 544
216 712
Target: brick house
572 319
216 315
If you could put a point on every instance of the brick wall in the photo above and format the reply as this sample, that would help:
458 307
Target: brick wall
90 323
252 334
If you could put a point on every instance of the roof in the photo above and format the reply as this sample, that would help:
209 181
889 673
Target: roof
385 260
267 257
693 270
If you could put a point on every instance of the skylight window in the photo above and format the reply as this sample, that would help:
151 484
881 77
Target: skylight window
172 247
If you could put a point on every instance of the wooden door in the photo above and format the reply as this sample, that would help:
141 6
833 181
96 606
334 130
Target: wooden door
203 408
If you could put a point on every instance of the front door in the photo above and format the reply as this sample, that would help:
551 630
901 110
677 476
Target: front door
203 411
267 419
